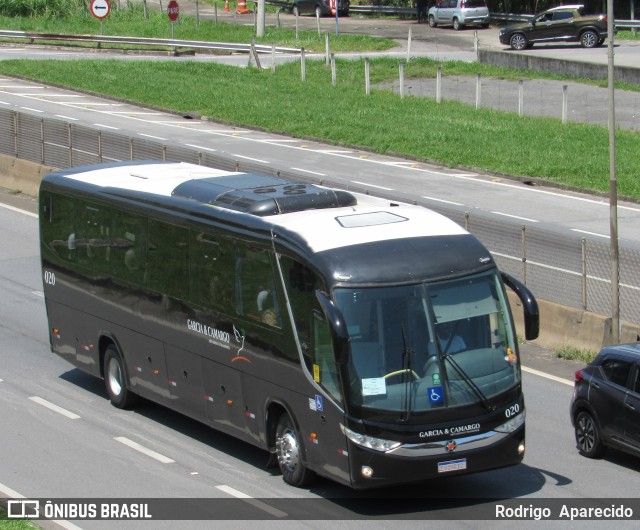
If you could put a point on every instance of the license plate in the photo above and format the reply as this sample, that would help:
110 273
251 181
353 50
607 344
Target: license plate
452 465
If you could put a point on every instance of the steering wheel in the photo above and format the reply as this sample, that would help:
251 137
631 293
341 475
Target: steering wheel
403 371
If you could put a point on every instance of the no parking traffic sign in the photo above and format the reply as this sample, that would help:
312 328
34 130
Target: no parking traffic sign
100 8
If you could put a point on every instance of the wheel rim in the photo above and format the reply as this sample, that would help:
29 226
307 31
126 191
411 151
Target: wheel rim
114 377
518 42
586 433
589 40
288 451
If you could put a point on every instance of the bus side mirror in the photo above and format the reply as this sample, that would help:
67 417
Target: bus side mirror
338 327
529 304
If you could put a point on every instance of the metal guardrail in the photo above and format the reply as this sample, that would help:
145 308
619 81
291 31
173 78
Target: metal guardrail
510 17
146 41
383 10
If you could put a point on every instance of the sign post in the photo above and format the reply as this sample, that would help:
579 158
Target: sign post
100 9
173 10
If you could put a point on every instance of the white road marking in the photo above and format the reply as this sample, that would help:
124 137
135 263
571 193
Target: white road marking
66 117
590 233
32 110
307 171
515 217
14 209
250 500
548 376
54 408
252 159
372 185
203 148
154 137
442 200
13 494
144 450
106 126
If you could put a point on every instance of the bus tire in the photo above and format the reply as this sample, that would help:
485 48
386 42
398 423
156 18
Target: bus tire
116 381
289 453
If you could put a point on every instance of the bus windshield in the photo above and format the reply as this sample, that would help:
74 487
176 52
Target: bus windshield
415 348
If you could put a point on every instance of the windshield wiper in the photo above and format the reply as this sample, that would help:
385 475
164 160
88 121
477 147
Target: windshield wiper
408 389
465 376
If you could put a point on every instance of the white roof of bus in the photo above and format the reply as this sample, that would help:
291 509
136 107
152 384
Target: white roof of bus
367 222
159 178
372 219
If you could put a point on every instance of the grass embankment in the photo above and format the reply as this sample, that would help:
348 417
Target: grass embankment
131 22
14 524
448 133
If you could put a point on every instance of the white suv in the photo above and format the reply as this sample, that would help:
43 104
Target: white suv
459 13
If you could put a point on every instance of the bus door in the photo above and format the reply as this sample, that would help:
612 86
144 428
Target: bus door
320 416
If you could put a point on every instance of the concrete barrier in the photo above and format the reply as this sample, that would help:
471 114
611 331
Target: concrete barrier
578 69
560 325
21 175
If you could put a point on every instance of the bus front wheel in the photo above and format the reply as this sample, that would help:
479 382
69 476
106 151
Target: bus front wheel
115 380
289 453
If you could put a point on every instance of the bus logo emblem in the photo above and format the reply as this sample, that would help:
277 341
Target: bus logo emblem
451 446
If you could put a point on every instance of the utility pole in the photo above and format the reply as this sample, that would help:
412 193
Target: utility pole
613 188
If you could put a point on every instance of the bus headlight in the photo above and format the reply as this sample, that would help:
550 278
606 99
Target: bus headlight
370 442
512 424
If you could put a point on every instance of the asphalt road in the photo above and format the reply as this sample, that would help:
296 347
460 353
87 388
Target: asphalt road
62 439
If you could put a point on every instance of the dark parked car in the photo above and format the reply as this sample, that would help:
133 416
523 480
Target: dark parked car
605 410
320 7
565 23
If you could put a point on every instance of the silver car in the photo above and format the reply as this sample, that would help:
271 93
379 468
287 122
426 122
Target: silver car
459 13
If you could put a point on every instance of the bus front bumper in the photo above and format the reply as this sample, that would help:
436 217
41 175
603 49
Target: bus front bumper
416 463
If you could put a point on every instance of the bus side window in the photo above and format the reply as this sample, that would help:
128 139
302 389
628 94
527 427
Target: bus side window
91 237
313 331
256 297
210 270
128 248
168 259
59 227
323 364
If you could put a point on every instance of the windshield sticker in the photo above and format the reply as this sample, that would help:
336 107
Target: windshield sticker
374 386
316 373
435 393
435 378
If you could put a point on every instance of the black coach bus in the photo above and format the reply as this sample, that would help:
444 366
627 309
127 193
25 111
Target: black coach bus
360 339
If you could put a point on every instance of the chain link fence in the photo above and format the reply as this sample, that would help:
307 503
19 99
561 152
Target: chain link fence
569 271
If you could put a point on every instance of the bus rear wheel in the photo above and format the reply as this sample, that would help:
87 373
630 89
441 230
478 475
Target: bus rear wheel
115 380
289 453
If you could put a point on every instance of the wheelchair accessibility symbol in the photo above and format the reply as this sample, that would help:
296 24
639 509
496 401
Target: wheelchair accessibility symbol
435 394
